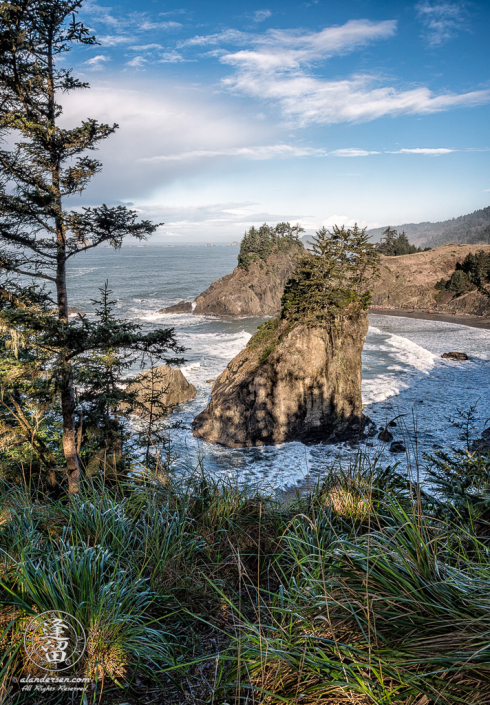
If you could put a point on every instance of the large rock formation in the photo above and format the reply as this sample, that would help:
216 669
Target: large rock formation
409 281
255 291
292 382
170 385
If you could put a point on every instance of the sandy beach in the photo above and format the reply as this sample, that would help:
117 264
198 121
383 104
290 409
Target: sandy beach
463 320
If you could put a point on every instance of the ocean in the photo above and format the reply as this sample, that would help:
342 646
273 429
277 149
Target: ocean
403 372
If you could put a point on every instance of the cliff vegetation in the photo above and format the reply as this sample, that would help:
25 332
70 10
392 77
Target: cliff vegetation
436 280
473 228
259 243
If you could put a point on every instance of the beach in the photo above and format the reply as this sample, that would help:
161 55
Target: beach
463 319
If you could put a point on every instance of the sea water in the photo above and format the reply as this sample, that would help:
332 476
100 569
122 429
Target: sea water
404 375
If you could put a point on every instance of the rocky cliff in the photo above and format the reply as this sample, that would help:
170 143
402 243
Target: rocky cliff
168 384
255 291
292 382
408 282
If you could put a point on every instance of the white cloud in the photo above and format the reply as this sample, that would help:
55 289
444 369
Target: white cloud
137 62
441 20
261 15
352 152
145 47
114 40
148 25
305 100
228 36
289 49
285 151
424 150
157 119
277 67
96 62
171 57
347 221
277 151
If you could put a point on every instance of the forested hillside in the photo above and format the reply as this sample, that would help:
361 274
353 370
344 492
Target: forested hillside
467 229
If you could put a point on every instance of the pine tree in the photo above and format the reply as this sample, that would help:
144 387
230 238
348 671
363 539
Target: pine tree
393 244
334 274
47 165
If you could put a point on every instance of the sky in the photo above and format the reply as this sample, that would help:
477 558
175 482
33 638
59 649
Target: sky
320 112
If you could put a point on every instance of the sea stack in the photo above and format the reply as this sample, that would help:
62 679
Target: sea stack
299 378
291 383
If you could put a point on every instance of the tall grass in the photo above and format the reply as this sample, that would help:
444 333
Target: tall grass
365 590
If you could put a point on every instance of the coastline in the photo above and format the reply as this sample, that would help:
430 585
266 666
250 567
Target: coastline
462 320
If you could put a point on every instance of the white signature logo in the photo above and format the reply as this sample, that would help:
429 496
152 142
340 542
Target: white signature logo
54 641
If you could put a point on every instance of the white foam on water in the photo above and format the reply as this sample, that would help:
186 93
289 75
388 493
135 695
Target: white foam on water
381 388
406 351
189 368
392 363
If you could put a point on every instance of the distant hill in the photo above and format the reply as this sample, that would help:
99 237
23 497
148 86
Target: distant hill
469 229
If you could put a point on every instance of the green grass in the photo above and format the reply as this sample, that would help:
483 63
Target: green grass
366 590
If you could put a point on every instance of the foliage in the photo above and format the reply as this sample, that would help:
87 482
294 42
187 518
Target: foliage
41 166
473 228
334 274
470 274
393 244
258 244
367 589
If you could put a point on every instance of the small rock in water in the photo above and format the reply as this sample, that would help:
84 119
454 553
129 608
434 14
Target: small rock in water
455 356
385 436
210 381
397 447
181 307
393 423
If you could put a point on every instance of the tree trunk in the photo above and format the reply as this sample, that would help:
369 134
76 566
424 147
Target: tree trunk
67 390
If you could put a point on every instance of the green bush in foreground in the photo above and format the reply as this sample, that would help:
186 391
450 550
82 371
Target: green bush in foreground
366 590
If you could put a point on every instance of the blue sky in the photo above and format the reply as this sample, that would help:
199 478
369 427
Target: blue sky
318 112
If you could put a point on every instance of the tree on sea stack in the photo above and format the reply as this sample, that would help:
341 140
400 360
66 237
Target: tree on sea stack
42 165
331 276
299 378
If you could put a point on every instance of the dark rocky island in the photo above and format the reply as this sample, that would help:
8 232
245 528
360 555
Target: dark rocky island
299 378
267 259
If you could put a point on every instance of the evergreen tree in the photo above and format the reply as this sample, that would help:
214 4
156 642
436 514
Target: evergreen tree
258 245
331 276
393 244
45 166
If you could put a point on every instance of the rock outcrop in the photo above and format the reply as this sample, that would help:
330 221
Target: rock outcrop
292 382
180 307
455 356
173 387
406 282
409 282
255 291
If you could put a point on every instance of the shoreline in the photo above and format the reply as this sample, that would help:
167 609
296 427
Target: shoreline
462 319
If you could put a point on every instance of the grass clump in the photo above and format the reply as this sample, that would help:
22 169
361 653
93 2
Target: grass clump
367 589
